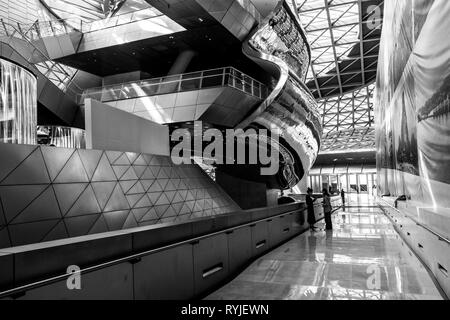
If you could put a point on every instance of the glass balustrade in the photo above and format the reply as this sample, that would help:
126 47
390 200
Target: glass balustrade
178 83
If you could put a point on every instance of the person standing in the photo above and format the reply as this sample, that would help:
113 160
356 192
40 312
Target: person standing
327 209
310 206
343 197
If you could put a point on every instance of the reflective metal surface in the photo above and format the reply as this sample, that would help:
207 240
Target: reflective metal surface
87 10
338 264
18 104
280 47
61 137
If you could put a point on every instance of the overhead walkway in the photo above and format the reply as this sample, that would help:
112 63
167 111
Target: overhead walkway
222 96
342 264
61 38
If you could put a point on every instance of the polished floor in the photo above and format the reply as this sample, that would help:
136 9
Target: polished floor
363 258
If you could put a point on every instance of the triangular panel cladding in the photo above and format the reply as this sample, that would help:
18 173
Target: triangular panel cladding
170 212
154 196
104 172
155 187
58 232
150 215
177 207
119 171
146 184
117 201
4 238
148 174
30 171
139 213
130 222
99 226
11 155
163 183
139 170
147 158
160 210
178 198
79 226
73 171
136 189
133 199
55 159
127 185
113 155
90 159
122 161
103 191
115 220
33 232
143 203
129 174
132 156
185 209
170 195
45 207
17 198
85 204
162 200
140 161
67 194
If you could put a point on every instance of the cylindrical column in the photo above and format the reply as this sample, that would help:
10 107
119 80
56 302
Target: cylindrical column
18 104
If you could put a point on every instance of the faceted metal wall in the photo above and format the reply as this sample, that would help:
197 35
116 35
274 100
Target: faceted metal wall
49 193
18 104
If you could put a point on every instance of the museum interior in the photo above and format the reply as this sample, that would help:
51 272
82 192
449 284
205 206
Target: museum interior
224 150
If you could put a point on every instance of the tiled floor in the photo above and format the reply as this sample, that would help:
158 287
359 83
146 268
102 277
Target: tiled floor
362 258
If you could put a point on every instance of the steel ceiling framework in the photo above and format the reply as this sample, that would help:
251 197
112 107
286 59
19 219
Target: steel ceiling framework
343 67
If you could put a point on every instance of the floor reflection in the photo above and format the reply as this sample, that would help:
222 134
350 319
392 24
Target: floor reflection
362 258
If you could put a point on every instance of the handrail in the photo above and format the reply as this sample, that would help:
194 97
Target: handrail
438 235
236 79
54 69
63 26
133 257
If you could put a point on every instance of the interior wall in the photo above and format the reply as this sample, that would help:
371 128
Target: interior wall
108 128
413 108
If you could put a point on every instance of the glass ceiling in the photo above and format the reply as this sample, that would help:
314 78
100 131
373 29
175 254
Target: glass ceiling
86 10
344 36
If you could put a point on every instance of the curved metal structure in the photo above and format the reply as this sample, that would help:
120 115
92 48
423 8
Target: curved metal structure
280 47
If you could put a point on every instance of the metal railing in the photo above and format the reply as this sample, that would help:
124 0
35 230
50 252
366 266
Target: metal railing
136 257
57 73
438 235
221 77
42 29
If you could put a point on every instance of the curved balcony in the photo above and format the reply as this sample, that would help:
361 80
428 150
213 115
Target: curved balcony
279 45
221 96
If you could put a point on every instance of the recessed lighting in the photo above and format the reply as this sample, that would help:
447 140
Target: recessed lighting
200 19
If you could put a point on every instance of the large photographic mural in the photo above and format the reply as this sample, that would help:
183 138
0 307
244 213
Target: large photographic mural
413 106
